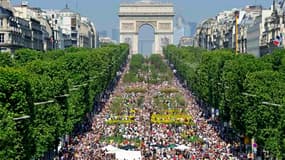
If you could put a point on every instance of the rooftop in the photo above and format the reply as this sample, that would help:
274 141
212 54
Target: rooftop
152 3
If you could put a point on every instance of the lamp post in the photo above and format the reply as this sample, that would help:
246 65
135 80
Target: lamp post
254 145
21 118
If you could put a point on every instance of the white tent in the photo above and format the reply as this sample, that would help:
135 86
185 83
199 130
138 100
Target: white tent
128 155
123 154
182 147
110 148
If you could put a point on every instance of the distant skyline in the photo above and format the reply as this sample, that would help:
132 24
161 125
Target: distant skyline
104 13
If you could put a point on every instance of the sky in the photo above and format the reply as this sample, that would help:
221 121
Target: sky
104 12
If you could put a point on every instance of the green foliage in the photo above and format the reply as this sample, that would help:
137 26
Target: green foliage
16 100
23 56
9 138
275 59
180 100
136 69
169 90
117 106
56 89
233 76
5 60
135 90
264 115
152 70
136 62
159 70
158 64
249 92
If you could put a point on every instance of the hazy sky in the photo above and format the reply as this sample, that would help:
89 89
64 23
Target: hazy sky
104 12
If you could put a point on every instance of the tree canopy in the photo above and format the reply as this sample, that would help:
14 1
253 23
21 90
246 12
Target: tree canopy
248 92
55 90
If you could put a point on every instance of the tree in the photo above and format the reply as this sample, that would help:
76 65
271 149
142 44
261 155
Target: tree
56 89
16 100
6 60
10 143
249 92
264 117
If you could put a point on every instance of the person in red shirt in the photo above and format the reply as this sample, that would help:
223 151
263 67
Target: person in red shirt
193 157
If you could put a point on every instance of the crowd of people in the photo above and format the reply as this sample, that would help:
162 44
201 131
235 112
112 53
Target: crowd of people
155 141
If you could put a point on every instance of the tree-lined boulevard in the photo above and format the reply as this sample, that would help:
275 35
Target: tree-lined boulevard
246 93
187 104
45 96
149 111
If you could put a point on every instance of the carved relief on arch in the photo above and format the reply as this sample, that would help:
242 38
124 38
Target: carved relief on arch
151 23
164 41
165 26
128 40
128 26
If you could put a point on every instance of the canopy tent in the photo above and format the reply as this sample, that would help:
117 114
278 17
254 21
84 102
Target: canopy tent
128 147
182 147
123 154
111 149
172 145
128 155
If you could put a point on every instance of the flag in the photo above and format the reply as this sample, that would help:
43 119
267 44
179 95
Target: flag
277 41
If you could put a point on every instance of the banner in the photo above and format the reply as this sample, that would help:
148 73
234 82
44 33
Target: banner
171 119
120 120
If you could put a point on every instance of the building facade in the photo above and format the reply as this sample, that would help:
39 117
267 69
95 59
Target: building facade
17 32
25 27
186 41
183 28
40 29
274 28
260 30
70 29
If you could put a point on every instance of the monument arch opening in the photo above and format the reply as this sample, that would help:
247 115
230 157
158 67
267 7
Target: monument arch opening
158 15
146 39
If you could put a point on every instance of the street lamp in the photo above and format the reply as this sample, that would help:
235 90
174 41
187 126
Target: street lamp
21 118
272 104
254 145
248 94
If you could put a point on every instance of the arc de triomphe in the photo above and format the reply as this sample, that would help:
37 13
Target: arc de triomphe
146 12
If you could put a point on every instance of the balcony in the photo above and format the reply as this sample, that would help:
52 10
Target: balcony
11 44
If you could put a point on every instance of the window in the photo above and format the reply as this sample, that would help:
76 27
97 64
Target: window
1 37
74 35
73 22
1 22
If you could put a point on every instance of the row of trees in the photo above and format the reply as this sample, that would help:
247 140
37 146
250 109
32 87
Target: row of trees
136 70
43 96
152 70
160 72
248 92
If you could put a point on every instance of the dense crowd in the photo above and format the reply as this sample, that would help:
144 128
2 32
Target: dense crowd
155 141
